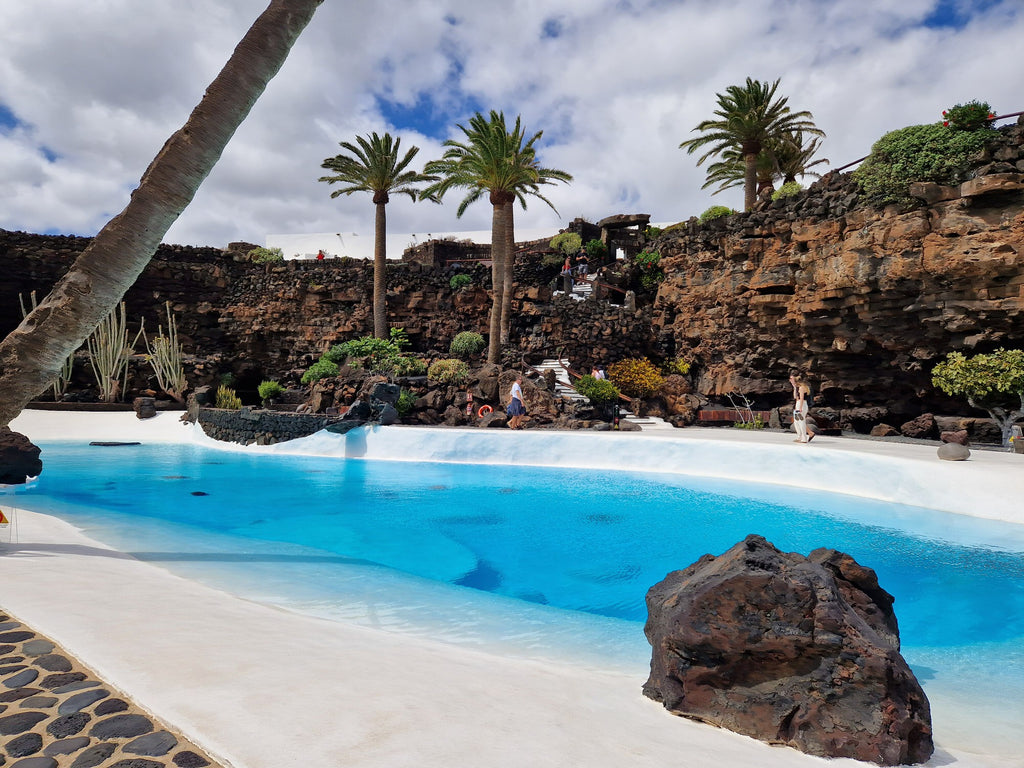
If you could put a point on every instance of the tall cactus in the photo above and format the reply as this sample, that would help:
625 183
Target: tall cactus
109 351
165 357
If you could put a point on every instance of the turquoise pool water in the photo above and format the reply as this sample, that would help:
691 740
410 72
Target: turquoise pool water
548 563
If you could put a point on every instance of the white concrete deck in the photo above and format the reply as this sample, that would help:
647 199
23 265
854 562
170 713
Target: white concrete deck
263 688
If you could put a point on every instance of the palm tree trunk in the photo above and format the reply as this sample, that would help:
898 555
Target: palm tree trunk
750 180
380 279
32 354
508 291
497 280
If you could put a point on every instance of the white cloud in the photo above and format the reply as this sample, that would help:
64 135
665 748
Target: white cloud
97 87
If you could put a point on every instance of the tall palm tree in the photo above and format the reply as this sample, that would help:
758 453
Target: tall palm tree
492 159
749 117
374 166
31 356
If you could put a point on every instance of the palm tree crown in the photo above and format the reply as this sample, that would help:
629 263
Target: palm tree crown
503 164
375 165
749 118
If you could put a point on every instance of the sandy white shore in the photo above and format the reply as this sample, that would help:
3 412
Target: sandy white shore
263 688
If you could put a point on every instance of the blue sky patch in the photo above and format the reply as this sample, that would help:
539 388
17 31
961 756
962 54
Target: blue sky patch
956 14
427 116
8 120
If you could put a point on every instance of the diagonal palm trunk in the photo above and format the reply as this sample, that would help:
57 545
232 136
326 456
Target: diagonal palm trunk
380 280
509 272
32 354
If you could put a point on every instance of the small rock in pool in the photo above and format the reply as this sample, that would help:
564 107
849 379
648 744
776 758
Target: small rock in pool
200 493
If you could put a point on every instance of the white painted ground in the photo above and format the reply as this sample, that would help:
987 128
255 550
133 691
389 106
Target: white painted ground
263 688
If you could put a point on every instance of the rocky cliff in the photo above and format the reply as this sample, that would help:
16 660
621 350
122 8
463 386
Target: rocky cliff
864 300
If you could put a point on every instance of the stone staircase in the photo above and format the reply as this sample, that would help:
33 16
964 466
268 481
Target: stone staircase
580 291
564 387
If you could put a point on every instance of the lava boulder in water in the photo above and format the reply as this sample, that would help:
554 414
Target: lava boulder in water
801 651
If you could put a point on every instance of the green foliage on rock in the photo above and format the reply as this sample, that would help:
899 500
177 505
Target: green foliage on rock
636 377
448 371
321 369
968 117
265 255
269 389
993 382
568 243
788 189
918 153
227 399
467 344
598 391
596 250
406 400
401 365
650 272
460 281
715 212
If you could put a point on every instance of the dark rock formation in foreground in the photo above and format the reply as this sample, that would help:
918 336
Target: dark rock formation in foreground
801 651
19 458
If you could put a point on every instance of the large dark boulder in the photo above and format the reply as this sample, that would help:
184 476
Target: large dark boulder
19 458
801 651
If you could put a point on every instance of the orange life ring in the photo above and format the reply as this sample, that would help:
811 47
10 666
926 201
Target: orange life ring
484 410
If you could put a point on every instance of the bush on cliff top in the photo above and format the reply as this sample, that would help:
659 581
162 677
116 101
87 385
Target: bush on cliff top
467 344
321 369
715 212
918 153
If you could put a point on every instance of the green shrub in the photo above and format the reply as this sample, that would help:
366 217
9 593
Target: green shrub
460 281
598 391
969 117
568 243
227 399
402 365
406 400
552 260
652 232
448 371
788 189
467 344
357 351
679 365
265 255
918 153
650 272
596 251
321 369
636 377
715 212
269 389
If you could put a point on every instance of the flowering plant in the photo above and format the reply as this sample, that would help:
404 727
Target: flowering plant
969 116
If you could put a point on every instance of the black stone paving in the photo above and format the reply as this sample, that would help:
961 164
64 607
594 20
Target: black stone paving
55 713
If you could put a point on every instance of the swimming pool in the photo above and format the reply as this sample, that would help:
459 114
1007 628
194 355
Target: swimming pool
548 563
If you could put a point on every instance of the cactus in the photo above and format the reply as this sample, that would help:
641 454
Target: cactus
109 351
165 357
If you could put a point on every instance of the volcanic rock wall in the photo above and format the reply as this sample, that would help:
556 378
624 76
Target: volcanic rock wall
866 301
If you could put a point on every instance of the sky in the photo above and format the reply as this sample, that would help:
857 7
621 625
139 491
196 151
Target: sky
90 91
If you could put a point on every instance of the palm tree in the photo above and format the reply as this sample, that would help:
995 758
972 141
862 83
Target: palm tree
750 117
493 160
31 356
782 159
374 166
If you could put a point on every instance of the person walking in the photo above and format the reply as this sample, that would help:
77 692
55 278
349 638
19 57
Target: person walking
801 407
516 407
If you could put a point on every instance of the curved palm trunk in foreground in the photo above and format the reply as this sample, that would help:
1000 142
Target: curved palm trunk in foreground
32 354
